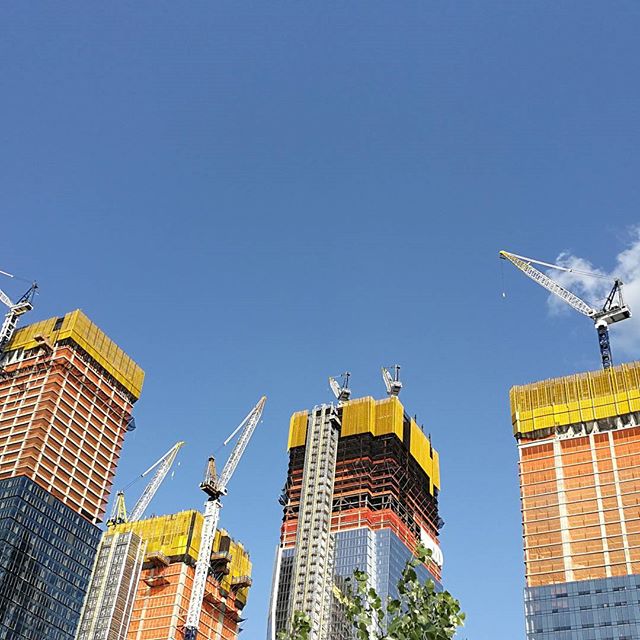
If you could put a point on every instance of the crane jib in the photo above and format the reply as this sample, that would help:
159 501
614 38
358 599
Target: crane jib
614 310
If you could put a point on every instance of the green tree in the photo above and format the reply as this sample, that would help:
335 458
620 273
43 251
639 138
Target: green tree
299 628
419 612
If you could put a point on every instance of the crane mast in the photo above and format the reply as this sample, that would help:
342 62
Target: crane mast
215 486
613 310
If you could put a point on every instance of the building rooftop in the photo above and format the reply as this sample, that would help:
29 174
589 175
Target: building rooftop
378 417
75 326
574 399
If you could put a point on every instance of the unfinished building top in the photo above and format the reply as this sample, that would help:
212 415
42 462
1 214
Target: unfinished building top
574 399
77 327
177 536
378 417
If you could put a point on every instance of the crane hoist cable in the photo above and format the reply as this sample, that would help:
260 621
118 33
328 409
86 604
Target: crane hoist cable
215 486
613 310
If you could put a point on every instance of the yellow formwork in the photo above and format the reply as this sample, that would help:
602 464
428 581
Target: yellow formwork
77 327
358 416
298 429
379 418
421 450
581 397
179 534
389 417
239 567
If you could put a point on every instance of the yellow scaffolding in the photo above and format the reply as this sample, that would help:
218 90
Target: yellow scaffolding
178 535
582 397
77 327
378 417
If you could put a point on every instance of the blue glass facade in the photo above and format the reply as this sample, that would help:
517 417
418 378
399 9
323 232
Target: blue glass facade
391 558
379 553
46 556
604 609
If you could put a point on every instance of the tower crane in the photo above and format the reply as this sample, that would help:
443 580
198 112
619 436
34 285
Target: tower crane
215 486
613 310
16 309
162 466
341 389
392 382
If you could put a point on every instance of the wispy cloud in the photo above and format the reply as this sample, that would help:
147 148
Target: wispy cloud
626 335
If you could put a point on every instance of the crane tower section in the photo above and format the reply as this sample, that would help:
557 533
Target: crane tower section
313 564
215 486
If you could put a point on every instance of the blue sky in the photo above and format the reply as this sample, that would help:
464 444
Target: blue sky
251 196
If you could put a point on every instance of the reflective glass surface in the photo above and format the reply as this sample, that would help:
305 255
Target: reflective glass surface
46 556
604 609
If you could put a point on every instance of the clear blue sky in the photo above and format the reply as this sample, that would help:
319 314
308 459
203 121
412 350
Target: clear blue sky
250 196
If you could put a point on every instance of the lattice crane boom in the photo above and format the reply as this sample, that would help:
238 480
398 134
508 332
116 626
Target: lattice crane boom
16 309
524 264
340 389
215 486
614 309
392 381
162 467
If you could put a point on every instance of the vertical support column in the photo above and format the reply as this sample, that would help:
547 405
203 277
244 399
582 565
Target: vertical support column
314 556
562 508
603 528
623 521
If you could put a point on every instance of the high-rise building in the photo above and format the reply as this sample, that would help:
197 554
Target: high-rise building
66 396
579 448
107 608
361 492
155 608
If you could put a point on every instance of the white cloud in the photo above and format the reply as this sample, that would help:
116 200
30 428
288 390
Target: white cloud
625 335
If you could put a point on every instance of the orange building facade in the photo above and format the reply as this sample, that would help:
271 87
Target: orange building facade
579 458
66 396
161 601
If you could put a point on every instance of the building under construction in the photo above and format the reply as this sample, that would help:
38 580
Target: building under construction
579 448
66 396
361 492
107 607
153 603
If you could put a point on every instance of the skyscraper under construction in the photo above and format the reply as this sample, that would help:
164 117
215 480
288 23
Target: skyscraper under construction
153 605
579 448
66 396
361 492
